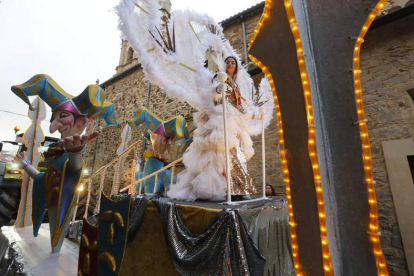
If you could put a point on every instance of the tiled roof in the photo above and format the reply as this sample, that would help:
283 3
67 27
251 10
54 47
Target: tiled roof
258 6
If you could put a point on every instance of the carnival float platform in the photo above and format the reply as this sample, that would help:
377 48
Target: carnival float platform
164 237
266 224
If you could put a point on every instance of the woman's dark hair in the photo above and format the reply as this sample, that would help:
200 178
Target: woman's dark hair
235 71
273 189
237 64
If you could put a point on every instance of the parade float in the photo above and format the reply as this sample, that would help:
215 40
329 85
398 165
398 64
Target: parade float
209 220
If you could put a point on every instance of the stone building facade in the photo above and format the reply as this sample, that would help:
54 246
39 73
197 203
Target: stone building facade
387 59
387 63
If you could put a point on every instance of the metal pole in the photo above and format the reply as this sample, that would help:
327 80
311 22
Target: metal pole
155 183
101 184
226 149
88 198
263 155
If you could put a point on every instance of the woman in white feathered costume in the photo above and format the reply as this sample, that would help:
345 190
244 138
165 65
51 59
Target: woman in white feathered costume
172 49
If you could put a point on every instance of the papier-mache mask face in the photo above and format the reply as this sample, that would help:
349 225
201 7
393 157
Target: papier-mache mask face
162 132
160 143
71 115
68 123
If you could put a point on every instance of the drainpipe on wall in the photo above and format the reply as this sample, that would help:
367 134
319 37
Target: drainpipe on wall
246 60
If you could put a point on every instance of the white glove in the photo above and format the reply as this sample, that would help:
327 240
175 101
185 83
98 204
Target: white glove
221 88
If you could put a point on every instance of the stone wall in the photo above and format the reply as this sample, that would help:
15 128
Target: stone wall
128 93
387 58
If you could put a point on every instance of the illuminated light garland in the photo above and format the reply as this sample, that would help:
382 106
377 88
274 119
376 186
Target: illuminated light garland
311 145
88 198
366 148
282 151
134 165
118 176
101 184
265 15
326 260
76 206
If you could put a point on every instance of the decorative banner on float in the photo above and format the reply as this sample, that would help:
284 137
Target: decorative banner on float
88 250
112 234
32 138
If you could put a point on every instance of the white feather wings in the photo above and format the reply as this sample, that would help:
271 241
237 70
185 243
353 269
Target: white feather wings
172 50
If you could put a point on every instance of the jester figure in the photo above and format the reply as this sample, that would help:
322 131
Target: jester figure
55 189
161 134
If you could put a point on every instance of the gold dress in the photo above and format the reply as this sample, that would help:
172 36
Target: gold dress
241 182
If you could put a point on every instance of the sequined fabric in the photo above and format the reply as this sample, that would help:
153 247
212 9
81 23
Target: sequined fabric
13 264
11 259
138 207
233 95
75 231
268 226
224 249
119 197
93 220
241 182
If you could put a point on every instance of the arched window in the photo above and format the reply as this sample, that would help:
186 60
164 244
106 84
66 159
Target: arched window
130 54
410 93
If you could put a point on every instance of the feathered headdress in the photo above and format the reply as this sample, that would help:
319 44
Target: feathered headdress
90 103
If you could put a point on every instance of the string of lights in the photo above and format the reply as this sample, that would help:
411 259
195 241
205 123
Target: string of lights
134 165
282 151
326 257
373 231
